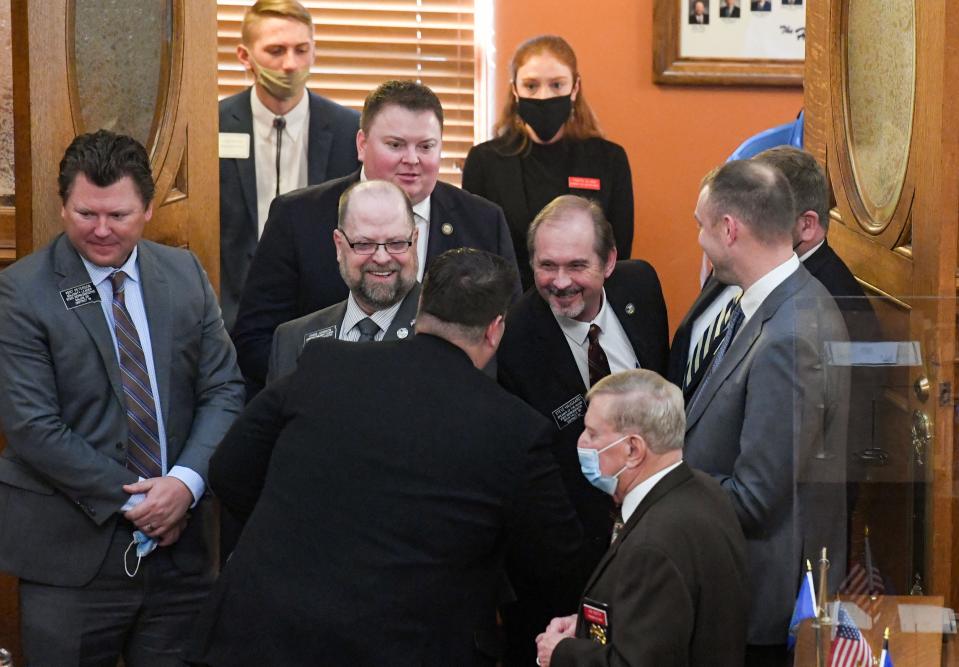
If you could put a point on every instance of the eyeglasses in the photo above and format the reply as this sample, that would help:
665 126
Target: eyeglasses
370 248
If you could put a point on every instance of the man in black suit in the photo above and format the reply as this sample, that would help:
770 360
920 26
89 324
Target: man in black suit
377 530
275 130
588 315
730 10
699 16
294 271
671 590
373 247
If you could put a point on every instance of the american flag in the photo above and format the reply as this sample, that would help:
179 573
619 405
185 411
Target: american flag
849 648
863 584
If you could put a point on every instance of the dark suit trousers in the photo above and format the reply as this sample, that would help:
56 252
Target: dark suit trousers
145 619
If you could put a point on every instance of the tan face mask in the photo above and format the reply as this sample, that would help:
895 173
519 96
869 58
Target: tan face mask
278 83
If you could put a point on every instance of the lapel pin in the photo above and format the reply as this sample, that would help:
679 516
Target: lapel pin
630 309
447 228
402 333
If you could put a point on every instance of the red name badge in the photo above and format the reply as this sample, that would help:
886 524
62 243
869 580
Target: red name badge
594 614
583 183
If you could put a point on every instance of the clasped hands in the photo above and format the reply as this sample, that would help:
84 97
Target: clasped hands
163 513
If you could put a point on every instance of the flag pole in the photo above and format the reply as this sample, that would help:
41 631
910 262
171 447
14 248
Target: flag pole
817 631
823 568
870 591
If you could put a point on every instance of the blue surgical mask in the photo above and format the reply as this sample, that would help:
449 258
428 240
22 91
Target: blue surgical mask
589 463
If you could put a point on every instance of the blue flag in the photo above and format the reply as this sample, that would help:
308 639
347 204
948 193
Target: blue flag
885 660
805 608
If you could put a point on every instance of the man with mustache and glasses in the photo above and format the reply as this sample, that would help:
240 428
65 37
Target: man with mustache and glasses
374 239
275 136
588 315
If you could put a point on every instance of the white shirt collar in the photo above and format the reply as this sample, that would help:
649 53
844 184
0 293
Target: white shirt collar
579 331
295 117
641 490
806 255
753 297
100 273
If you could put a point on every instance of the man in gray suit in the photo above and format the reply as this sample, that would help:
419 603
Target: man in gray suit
768 418
117 380
374 238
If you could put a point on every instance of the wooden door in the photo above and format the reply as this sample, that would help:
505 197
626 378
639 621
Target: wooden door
880 81
146 68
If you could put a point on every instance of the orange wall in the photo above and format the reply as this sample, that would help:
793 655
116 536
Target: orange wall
672 134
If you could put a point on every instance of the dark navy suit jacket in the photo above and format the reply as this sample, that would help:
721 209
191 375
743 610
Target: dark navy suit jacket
331 154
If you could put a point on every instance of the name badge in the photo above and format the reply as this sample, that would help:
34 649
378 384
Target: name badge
596 617
234 145
583 183
328 332
81 295
570 411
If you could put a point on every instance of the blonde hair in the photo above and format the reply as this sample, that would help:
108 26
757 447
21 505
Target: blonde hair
582 122
284 9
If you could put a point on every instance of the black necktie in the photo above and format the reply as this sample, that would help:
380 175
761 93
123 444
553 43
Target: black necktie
143 433
279 122
368 330
596 357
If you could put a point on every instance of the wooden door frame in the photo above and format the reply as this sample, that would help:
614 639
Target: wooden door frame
932 216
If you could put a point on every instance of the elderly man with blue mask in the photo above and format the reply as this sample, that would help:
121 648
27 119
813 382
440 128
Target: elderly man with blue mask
679 556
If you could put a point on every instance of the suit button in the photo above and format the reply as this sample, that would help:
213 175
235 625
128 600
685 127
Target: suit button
92 511
120 446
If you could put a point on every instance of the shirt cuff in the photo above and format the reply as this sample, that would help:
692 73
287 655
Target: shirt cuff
192 480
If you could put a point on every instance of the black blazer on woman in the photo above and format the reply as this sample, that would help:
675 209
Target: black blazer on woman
492 173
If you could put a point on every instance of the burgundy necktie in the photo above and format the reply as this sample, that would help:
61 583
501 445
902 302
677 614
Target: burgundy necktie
598 363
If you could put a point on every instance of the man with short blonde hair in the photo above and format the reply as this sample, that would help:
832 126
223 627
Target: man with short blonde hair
275 136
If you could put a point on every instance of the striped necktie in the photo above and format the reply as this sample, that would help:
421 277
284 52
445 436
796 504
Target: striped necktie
143 451
702 354
735 320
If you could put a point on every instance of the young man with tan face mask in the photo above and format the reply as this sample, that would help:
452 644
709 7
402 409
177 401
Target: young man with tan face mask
276 136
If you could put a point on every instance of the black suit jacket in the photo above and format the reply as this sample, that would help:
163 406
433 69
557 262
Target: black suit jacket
331 153
535 363
294 271
674 583
727 13
380 511
490 172
692 19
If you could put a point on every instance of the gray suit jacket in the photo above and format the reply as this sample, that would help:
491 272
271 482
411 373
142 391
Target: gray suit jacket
770 426
290 337
63 415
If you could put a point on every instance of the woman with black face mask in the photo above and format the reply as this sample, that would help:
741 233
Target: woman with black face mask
548 144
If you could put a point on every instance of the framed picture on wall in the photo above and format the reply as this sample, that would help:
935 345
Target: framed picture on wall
729 42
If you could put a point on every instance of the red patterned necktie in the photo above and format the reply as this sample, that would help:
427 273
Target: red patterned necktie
143 453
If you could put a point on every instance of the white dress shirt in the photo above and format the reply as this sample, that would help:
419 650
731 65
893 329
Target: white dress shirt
612 338
753 297
708 316
293 153
641 490
133 299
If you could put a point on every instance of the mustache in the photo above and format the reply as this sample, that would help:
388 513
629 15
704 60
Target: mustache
392 266
572 290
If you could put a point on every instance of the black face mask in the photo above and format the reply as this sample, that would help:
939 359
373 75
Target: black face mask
546 117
